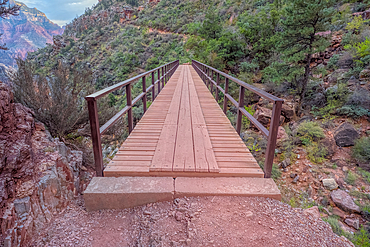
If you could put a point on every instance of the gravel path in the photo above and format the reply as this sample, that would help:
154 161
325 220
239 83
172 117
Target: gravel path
208 221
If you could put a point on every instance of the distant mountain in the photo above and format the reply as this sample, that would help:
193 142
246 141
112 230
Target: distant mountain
28 31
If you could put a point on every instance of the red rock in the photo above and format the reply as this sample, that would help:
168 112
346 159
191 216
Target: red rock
263 115
313 211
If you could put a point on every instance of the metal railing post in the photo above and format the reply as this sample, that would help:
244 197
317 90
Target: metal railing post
212 75
95 135
226 92
218 84
144 91
271 144
129 112
162 77
153 89
240 114
159 80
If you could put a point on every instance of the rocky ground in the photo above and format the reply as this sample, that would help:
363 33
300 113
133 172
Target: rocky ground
207 221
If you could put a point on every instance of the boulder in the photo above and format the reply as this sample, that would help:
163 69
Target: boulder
345 135
263 115
313 211
285 163
329 183
344 201
287 111
355 223
338 212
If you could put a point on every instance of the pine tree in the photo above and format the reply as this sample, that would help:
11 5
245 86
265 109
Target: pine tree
299 39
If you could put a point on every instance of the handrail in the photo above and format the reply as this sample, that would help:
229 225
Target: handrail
204 72
164 73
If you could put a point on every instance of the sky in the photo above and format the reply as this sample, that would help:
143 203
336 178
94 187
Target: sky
60 12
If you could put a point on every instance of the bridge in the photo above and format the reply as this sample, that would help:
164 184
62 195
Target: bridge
184 145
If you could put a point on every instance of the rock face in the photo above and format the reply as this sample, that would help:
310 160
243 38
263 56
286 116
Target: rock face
28 31
37 179
345 135
344 201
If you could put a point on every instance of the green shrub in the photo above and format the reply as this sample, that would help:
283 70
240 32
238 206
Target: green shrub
364 174
361 150
353 111
334 223
275 172
361 238
332 63
310 131
316 153
351 178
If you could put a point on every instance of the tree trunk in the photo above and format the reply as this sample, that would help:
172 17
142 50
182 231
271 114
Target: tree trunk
307 71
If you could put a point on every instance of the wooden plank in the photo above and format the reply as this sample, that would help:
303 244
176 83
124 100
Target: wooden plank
184 149
203 153
164 154
129 163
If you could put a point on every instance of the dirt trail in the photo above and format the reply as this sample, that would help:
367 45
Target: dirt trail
209 221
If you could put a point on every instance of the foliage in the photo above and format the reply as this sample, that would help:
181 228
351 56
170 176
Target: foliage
334 223
275 172
364 174
351 178
211 28
297 41
259 29
361 238
316 153
58 99
357 24
336 97
310 131
361 150
245 120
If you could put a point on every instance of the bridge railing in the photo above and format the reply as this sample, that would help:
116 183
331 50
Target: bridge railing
163 75
208 74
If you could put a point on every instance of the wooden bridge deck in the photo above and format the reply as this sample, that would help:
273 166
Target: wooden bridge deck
184 133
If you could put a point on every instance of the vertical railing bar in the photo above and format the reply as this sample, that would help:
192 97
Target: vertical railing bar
271 144
153 89
240 114
144 91
162 77
218 84
129 103
159 80
226 92
95 135
212 75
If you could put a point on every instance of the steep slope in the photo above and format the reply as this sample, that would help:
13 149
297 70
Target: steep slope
28 31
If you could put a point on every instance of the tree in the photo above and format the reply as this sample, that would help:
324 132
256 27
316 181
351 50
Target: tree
259 30
299 39
5 11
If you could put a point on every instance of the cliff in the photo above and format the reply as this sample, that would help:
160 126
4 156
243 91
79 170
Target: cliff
28 31
39 175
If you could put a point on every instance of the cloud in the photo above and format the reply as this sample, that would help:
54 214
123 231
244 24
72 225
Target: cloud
60 11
